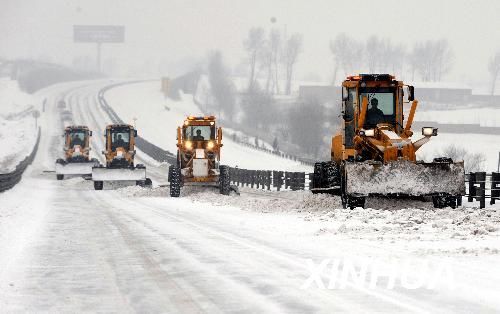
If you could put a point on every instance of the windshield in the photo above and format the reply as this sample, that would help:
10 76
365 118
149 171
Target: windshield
120 138
77 137
199 133
380 106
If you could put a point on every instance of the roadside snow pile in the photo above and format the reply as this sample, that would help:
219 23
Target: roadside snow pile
137 191
17 125
383 218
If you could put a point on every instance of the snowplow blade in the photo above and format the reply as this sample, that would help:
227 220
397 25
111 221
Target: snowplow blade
75 168
405 178
125 174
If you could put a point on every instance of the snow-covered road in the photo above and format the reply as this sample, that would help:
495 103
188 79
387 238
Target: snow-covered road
67 248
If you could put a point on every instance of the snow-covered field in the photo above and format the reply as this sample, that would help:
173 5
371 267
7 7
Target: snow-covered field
17 125
68 248
157 120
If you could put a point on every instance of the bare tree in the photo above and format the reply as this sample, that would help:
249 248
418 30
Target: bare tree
254 44
432 59
222 87
347 54
373 47
494 69
270 60
473 162
275 44
293 47
306 126
259 109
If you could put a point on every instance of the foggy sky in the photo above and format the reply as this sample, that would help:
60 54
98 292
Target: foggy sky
183 31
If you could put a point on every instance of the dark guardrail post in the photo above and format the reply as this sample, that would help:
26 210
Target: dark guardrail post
481 180
472 187
495 187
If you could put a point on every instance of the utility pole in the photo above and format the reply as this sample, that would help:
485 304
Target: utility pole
98 60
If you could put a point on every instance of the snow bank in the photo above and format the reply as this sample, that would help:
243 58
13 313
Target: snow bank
382 220
17 125
157 119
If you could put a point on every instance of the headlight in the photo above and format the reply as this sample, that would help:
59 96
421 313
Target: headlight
210 145
368 133
429 131
188 145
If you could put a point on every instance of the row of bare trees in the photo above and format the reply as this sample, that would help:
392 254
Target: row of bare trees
494 70
430 59
272 55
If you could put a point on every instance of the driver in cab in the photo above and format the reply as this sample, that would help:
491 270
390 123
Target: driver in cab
374 115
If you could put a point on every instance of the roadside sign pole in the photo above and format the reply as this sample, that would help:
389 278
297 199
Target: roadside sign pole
498 167
98 59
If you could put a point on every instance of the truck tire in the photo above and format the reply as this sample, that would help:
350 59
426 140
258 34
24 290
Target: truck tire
175 181
326 176
98 185
145 183
224 180
59 177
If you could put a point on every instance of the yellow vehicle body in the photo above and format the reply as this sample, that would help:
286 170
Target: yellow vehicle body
199 143
77 149
374 154
119 155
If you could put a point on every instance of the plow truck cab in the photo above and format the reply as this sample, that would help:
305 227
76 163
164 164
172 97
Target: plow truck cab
76 159
119 154
199 144
373 154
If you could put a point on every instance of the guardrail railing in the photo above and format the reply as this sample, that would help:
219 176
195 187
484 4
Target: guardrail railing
9 180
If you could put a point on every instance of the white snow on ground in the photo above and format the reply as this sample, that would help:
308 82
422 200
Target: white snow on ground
17 125
158 119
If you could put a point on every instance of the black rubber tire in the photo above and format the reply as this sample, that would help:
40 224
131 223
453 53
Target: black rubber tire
148 183
60 177
354 202
326 176
224 180
443 201
175 181
98 185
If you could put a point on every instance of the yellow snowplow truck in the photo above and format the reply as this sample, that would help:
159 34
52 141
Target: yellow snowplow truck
373 153
77 159
199 144
119 154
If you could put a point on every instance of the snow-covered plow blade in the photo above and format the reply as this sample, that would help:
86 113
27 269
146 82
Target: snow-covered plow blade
118 174
405 178
75 168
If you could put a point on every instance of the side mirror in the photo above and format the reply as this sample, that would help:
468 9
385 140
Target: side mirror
411 93
90 133
135 133
429 131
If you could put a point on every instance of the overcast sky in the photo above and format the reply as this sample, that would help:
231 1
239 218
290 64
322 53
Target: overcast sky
181 31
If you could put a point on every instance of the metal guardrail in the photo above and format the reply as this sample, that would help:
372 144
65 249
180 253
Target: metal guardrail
480 182
9 180
264 179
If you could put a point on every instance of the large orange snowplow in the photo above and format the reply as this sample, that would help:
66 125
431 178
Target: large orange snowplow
374 154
